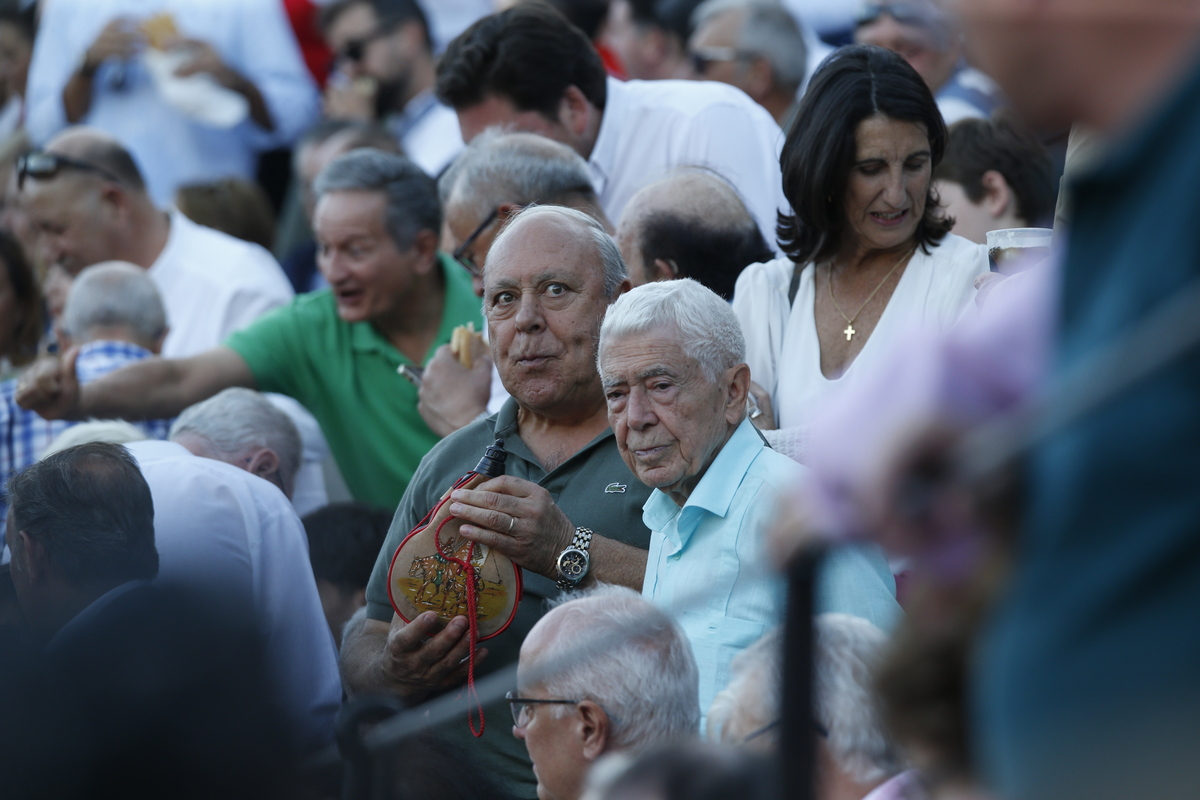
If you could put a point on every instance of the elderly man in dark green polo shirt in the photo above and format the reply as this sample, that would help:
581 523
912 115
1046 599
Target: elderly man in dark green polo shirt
393 300
551 275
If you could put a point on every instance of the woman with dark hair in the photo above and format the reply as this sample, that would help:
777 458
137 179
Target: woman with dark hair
20 307
869 255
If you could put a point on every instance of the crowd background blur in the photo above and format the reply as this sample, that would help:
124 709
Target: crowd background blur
716 277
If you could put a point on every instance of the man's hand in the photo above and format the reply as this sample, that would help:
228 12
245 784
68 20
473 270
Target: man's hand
350 100
120 39
518 519
452 396
427 656
51 388
204 58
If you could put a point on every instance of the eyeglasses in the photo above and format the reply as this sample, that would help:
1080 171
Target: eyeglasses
44 166
904 13
520 707
818 728
355 49
703 56
460 252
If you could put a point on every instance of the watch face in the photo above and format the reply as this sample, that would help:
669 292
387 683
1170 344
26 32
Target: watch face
572 565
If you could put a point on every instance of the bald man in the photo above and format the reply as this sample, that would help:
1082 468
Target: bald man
88 201
690 224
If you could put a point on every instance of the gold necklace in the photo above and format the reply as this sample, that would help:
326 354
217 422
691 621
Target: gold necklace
849 331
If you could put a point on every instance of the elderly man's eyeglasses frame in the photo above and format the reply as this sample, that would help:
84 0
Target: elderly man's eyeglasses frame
904 13
520 707
460 252
44 166
701 57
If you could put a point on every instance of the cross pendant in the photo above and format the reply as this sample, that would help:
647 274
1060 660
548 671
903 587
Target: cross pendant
850 331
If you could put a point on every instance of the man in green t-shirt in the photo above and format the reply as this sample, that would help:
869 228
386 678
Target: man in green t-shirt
393 300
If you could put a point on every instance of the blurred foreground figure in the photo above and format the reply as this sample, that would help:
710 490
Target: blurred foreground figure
635 688
343 542
1089 679
131 692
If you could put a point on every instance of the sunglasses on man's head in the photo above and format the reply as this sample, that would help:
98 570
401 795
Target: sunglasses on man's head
904 13
44 166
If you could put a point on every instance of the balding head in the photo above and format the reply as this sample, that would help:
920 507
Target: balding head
97 148
503 172
88 203
690 224
551 275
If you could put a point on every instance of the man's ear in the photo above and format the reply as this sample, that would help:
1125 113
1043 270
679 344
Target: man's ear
735 397
157 345
29 556
575 111
506 211
63 338
997 194
664 269
425 246
594 730
759 78
265 464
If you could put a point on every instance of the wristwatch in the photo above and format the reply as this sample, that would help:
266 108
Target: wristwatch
573 562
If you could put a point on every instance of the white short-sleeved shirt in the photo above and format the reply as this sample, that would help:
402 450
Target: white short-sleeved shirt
651 127
253 37
782 348
212 285
221 529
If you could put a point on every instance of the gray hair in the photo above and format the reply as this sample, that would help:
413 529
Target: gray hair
644 675
848 650
115 294
606 247
112 431
751 700
412 198
237 420
500 167
708 329
768 30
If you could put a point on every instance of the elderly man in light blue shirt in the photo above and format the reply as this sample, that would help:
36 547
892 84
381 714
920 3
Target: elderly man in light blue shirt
672 361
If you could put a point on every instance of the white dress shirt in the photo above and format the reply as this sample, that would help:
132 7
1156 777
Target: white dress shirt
429 133
212 285
781 341
651 127
222 529
253 37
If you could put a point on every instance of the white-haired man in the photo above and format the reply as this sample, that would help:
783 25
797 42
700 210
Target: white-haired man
672 361
605 672
243 428
114 314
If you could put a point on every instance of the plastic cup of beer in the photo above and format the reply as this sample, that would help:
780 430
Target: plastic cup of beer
1017 249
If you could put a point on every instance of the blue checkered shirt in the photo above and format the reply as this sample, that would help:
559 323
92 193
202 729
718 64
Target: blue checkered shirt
24 435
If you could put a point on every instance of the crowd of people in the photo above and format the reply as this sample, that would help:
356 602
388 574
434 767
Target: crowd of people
363 357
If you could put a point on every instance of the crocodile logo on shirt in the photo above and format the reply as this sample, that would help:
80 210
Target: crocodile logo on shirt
615 488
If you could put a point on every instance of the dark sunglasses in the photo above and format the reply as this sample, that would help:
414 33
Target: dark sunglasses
460 252
904 13
43 166
355 49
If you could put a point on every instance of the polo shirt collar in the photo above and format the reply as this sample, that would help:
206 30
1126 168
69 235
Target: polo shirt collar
366 338
715 492
604 152
506 429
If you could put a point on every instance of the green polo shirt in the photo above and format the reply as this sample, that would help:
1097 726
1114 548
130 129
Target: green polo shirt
345 374
594 488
